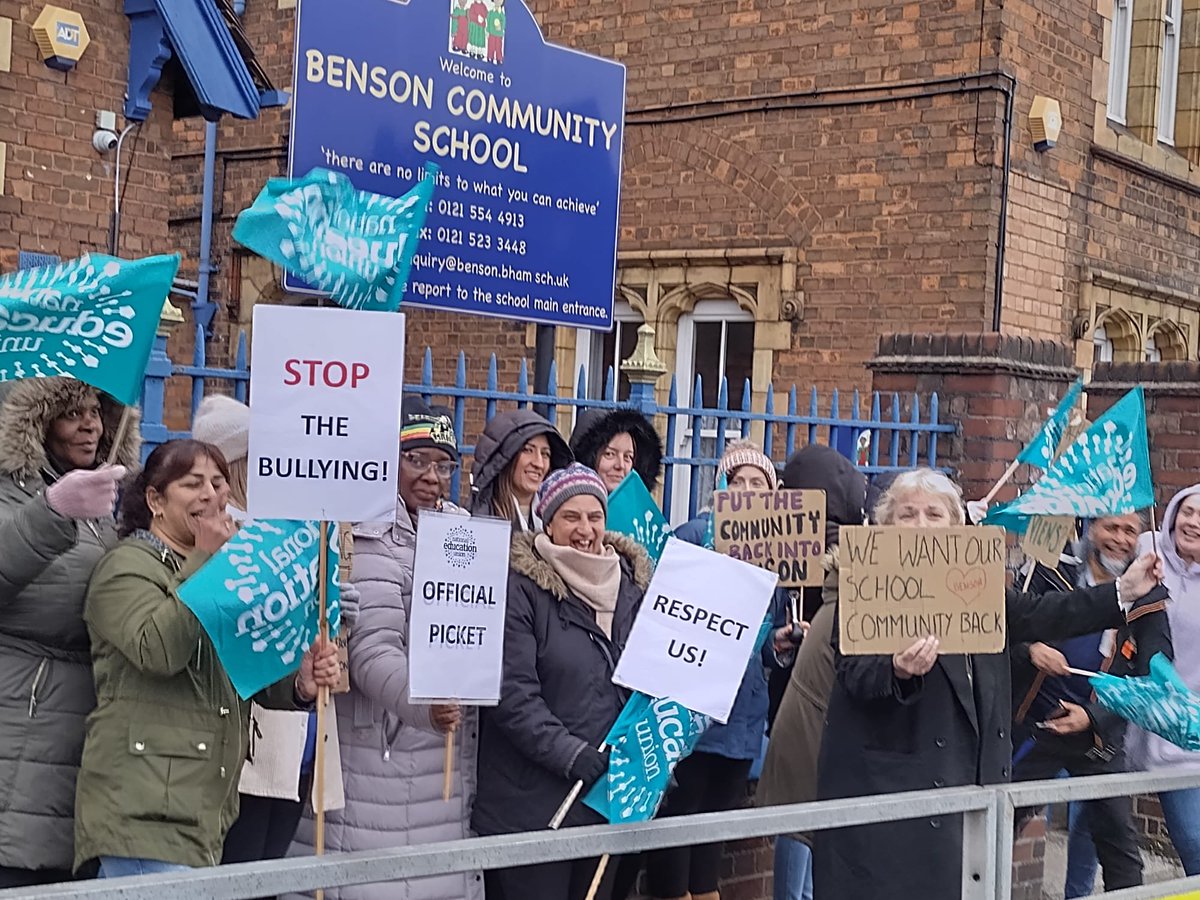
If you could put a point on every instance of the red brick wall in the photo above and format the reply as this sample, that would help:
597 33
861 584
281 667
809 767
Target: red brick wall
58 191
893 203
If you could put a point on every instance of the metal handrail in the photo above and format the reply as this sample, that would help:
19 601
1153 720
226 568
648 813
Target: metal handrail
987 844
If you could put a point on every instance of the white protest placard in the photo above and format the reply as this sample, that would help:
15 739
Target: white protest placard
325 394
456 619
696 629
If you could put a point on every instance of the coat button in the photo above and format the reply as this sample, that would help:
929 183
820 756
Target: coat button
1004 771
139 746
1001 734
935 823
941 742
202 747
939 782
222 771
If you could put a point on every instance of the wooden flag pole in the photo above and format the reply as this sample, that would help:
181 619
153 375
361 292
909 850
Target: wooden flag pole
570 800
448 767
1004 479
322 695
122 430
597 878
1154 530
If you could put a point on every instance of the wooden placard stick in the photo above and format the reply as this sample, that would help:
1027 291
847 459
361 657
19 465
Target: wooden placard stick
322 695
597 878
448 768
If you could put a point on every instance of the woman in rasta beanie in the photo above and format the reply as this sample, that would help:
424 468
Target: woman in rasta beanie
615 441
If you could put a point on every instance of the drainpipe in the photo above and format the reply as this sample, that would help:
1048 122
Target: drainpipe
204 308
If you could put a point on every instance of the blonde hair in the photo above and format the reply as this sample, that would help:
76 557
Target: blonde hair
238 473
927 481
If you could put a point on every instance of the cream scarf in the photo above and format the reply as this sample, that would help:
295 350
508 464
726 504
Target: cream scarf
594 579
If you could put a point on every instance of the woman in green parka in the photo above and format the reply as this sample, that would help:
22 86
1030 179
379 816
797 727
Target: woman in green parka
158 787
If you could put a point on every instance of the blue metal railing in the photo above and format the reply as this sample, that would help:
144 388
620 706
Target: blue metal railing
903 430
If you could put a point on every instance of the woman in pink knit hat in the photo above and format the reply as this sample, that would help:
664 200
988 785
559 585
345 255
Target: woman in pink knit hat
573 592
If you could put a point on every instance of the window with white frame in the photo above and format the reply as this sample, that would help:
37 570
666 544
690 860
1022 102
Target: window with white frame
1103 345
1153 354
1169 76
716 341
1118 65
598 351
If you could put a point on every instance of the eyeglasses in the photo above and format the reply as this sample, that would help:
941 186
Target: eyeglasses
420 464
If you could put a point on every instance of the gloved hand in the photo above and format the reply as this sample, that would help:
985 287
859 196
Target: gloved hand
589 766
86 493
348 598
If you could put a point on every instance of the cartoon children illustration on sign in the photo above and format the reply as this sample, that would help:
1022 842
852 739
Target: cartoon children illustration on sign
477 27
458 26
495 32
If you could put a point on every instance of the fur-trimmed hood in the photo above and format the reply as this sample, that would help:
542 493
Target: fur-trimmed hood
594 428
28 407
525 561
501 442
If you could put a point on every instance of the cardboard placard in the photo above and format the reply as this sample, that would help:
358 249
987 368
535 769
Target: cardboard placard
899 585
781 531
456 619
696 629
1046 538
325 389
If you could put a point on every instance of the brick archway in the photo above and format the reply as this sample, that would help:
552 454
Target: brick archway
726 161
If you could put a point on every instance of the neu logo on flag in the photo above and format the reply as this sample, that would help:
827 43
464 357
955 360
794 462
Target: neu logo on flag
1103 472
354 245
92 318
257 599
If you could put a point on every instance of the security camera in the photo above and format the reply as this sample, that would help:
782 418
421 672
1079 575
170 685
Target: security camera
104 141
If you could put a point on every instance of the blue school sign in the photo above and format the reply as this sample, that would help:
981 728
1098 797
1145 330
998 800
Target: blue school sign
523 222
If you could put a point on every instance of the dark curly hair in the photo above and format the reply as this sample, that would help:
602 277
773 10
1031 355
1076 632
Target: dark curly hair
169 462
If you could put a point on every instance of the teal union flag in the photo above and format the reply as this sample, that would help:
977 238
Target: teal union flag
1041 450
645 743
633 513
93 319
257 599
1103 472
353 245
1159 703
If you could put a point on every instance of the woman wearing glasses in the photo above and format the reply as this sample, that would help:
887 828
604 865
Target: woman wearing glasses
392 751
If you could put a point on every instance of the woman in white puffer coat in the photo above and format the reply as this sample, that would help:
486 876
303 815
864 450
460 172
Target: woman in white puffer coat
392 750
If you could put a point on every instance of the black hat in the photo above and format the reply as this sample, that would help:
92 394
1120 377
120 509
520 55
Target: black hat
423 429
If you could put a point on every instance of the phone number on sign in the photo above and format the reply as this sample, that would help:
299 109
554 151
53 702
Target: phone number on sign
455 209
